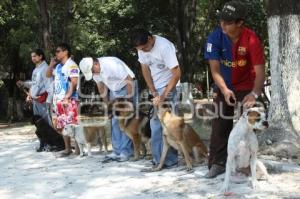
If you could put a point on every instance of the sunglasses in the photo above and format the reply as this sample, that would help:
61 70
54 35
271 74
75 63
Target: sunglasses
58 51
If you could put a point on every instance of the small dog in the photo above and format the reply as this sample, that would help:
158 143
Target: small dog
243 146
86 135
181 136
135 124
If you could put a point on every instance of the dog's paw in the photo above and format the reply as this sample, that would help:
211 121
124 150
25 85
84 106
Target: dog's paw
148 170
255 184
224 189
189 169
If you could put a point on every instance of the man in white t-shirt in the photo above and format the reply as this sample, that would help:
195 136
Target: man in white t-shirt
111 73
65 98
161 71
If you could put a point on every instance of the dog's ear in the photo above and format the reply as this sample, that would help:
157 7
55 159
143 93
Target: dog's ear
259 106
166 106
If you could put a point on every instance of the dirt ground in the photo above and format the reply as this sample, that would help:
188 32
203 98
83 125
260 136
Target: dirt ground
25 173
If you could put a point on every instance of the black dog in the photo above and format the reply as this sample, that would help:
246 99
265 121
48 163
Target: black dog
50 140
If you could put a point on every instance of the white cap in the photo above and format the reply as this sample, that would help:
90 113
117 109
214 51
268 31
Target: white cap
85 66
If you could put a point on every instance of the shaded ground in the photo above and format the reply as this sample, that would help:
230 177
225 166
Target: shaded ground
27 174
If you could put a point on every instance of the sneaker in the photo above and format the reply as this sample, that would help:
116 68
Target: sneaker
113 155
47 148
214 171
123 158
170 166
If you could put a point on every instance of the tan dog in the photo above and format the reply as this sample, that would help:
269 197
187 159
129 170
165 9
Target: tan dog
88 136
181 136
136 125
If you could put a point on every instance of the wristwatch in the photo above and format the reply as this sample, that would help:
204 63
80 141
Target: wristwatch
254 94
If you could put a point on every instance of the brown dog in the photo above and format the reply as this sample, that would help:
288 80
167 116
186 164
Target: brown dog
86 136
135 124
181 136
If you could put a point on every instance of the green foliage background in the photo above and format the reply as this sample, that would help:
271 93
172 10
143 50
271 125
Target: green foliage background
102 28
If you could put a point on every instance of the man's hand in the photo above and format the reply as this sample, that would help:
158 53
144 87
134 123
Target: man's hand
229 97
53 62
66 101
249 100
20 83
28 98
157 100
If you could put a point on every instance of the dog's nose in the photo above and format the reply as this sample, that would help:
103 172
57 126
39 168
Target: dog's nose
266 124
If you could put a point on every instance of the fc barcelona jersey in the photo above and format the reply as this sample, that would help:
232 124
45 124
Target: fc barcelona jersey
237 60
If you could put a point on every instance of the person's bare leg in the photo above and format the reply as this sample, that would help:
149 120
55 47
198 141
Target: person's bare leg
77 150
67 141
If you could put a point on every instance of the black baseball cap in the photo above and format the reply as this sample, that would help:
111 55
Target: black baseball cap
233 10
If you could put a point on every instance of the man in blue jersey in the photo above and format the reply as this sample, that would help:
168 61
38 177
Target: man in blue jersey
236 59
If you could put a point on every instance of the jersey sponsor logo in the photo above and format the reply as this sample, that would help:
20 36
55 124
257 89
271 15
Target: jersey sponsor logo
209 47
242 50
74 71
238 63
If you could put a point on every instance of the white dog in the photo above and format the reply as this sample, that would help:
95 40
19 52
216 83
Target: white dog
88 136
243 146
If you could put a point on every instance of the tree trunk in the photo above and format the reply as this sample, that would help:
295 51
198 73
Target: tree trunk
284 114
45 24
184 21
67 17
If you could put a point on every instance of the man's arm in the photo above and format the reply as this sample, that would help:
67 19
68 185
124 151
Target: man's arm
176 74
49 72
216 74
249 100
102 89
147 76
259 79
129 85
72 87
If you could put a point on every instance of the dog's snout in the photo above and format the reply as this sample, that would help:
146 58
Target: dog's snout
266 123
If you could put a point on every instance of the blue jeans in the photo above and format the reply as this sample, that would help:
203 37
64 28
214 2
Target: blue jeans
120 141
157 139
41 110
